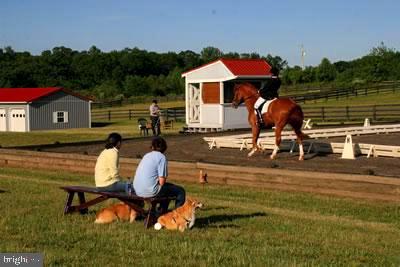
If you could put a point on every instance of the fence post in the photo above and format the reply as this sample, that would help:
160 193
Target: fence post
347 113
109 115
166 114
323 113
130 114
374 112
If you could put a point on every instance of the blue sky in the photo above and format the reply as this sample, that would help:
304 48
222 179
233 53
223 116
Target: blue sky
338 30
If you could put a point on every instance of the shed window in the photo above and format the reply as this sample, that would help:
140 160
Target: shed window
60 117
211 93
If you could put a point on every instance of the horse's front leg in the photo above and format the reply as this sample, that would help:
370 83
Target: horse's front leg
255 130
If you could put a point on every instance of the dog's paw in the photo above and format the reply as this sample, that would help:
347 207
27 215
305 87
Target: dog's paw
157 226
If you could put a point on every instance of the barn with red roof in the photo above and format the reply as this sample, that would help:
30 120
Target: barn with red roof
28 109
209 93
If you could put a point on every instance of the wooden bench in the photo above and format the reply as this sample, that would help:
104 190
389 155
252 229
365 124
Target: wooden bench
134 201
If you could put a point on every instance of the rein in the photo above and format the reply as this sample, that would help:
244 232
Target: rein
250 96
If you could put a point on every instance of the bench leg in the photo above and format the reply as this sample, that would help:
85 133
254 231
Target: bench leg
82 200
150 219
83 205
68 203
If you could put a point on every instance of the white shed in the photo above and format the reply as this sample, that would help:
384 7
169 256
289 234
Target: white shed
209 93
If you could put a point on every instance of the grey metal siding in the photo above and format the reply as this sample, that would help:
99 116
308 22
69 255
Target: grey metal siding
41 112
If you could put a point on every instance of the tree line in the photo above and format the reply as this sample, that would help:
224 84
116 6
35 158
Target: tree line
380 64
136 72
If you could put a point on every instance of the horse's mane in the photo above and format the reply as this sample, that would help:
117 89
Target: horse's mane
246 84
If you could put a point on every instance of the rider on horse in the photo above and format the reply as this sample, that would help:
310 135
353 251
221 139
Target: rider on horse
269 90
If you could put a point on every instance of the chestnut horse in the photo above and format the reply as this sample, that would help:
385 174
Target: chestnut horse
281 111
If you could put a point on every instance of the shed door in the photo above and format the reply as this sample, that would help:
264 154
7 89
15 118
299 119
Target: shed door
210 93
194 102
3 120
17 120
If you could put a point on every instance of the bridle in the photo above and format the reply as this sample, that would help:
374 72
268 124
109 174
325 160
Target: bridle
248 97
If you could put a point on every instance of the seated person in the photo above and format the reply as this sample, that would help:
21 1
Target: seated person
106 172
151 176
268 91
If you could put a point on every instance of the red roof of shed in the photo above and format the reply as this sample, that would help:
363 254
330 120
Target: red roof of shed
247 66
27 95
242 67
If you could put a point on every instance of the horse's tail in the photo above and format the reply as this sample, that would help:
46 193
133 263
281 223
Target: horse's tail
305 136
296 117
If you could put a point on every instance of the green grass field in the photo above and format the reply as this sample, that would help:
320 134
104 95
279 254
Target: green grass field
127 128
238 226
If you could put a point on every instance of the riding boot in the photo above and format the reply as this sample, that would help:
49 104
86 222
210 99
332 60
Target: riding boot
260 122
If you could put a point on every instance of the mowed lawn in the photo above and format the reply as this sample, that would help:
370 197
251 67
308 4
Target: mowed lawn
238 226
127 128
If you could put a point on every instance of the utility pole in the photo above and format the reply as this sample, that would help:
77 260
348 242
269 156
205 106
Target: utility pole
303 54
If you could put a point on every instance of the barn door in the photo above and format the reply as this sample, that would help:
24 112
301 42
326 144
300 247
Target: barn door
194 102
17 120
3 120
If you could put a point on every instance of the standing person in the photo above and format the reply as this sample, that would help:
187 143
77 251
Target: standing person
151 176
106 172
155 118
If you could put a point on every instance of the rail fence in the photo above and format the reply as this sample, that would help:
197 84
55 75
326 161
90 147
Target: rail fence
387 113
177 114
313 94
136 100
346 93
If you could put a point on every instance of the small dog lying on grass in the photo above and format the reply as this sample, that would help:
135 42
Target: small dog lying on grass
181 218
120 211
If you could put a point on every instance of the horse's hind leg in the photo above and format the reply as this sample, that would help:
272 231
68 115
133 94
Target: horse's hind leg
278 131
299 135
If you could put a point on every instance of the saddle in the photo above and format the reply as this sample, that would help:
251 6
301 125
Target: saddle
263 108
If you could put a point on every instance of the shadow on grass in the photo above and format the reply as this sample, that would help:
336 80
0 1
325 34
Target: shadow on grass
3 191
100 124
214 208
207 222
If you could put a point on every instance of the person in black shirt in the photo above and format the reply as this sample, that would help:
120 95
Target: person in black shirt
268 91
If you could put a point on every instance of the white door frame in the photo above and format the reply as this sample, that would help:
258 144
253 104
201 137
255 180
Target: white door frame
17 120
194 103
3 120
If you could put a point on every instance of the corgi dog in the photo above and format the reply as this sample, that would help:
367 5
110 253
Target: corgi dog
120 211
181 218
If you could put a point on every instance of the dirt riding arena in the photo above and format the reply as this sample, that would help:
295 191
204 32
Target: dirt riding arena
192 148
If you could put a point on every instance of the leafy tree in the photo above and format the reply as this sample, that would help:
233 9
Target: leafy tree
276 61
135 86
326 72
210 53
188 60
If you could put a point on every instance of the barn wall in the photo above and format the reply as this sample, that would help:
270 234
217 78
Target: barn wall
41 112
235 118
209 115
